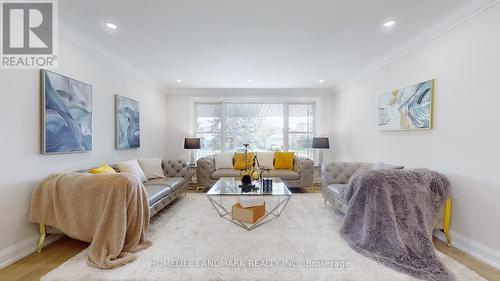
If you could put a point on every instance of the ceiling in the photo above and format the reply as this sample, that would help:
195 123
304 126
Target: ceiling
275 43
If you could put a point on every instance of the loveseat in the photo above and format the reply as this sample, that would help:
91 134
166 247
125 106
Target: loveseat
301 175
336 175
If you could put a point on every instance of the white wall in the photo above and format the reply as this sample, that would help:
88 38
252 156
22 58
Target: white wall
465 143
22 165
180 105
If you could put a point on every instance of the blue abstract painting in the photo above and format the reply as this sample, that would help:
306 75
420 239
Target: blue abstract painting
410 108
67 114
128 129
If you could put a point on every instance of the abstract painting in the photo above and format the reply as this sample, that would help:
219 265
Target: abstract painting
66 113
128 133
410 108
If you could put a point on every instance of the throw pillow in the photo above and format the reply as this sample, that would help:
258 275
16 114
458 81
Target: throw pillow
224 160
266 160
283 160
132 167
239 160
152 168
103 169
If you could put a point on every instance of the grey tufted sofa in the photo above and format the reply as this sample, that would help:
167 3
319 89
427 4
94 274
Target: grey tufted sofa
301 176
163 191
336 175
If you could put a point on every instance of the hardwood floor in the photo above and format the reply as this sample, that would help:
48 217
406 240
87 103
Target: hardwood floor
34 266
486 271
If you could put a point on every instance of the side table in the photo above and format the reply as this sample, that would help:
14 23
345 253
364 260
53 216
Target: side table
192 176
316 177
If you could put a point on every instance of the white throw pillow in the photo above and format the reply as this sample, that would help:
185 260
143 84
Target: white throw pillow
152 168
266 160
224 160
132 167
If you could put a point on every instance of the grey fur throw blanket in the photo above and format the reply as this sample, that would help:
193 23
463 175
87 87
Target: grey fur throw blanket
390 219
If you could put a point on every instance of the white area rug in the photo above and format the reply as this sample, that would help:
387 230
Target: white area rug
191 242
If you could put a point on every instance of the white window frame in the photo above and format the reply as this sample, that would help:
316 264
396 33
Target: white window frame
286 111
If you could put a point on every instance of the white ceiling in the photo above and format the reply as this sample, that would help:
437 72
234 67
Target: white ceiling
275 43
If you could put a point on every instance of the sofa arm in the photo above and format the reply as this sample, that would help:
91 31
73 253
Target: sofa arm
176 168
305 167
205 168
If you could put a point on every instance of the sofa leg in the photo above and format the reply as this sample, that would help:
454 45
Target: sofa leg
324 200
41 239
447 217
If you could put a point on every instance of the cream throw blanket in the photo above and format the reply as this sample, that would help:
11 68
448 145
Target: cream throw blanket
109 210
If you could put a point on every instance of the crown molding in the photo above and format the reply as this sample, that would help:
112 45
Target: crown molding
88 45
421 40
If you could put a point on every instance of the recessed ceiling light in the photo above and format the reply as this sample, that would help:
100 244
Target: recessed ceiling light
389 23
111 25
250 81
321 81
179 81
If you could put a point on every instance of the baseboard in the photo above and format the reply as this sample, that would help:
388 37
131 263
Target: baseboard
24 248
473 248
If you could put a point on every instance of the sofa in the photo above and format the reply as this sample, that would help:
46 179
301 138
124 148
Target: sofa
336 175
301 175
162 191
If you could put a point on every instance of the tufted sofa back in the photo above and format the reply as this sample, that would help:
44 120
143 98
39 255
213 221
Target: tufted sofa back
175 168
341 172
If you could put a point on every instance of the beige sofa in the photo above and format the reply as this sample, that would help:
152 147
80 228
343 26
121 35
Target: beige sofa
301 176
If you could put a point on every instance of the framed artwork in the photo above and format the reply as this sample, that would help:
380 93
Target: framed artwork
66 114
128 129
410 108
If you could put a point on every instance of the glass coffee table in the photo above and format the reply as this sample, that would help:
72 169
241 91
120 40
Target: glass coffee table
226 191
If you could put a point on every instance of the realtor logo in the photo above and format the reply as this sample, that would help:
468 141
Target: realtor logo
29 34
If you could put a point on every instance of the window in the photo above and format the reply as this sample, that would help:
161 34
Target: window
265 126
301 129
260 125
208 128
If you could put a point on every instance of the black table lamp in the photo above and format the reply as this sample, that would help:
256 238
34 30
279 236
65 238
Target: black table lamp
321 143
192 143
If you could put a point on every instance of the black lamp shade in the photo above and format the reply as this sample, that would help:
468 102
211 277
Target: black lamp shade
321 142
192 143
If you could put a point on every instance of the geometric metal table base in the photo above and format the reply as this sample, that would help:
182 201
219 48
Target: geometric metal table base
226 188
267 217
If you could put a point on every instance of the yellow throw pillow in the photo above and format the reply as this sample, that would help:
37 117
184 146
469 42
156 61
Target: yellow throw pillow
239 160
283 160
103 169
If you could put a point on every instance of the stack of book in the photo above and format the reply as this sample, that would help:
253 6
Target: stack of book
249 209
